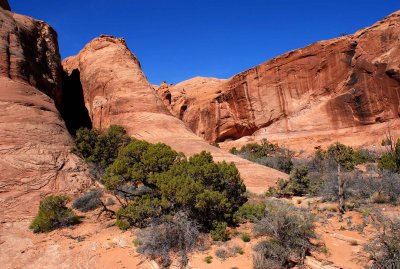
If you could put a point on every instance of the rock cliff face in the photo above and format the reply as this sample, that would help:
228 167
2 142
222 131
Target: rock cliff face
34 142
347 82
29 53
113 82
117 92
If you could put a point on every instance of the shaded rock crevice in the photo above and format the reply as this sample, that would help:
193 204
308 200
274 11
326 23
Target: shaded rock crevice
5 5
72 108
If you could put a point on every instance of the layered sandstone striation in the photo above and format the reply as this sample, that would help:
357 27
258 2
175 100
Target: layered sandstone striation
117 92
343 83
35 150
35 144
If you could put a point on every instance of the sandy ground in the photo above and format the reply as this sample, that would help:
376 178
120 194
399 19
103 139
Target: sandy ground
98 244
90 244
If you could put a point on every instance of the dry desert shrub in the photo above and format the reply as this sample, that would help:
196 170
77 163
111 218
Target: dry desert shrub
178 235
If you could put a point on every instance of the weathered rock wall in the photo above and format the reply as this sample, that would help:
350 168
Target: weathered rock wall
34 142
29 53
330 85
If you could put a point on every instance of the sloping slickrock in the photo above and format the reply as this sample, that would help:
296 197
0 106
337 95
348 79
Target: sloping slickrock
117 92
35 152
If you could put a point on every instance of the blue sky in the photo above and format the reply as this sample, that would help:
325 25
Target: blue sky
177 40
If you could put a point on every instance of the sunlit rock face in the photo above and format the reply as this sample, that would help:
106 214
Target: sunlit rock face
346 82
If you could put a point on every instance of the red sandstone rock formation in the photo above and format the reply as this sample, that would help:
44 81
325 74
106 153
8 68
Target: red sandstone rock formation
347 82
117 92
35 146
29 53
34 142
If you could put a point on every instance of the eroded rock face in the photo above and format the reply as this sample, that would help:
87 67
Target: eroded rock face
34 142
35 152
117 92
113 82
342 83
29 53
35 146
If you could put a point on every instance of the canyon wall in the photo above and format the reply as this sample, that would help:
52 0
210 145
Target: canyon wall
347 82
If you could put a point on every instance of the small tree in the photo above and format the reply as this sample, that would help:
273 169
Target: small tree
127 167
297 185
209 191
344 159
219 231
137 162
250 212
390 160
98 147
139 212
153 180
85 142
53 214
108 144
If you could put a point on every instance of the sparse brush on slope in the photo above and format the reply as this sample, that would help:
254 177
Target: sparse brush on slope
384 249
178 234
267 154
290 229
89 201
